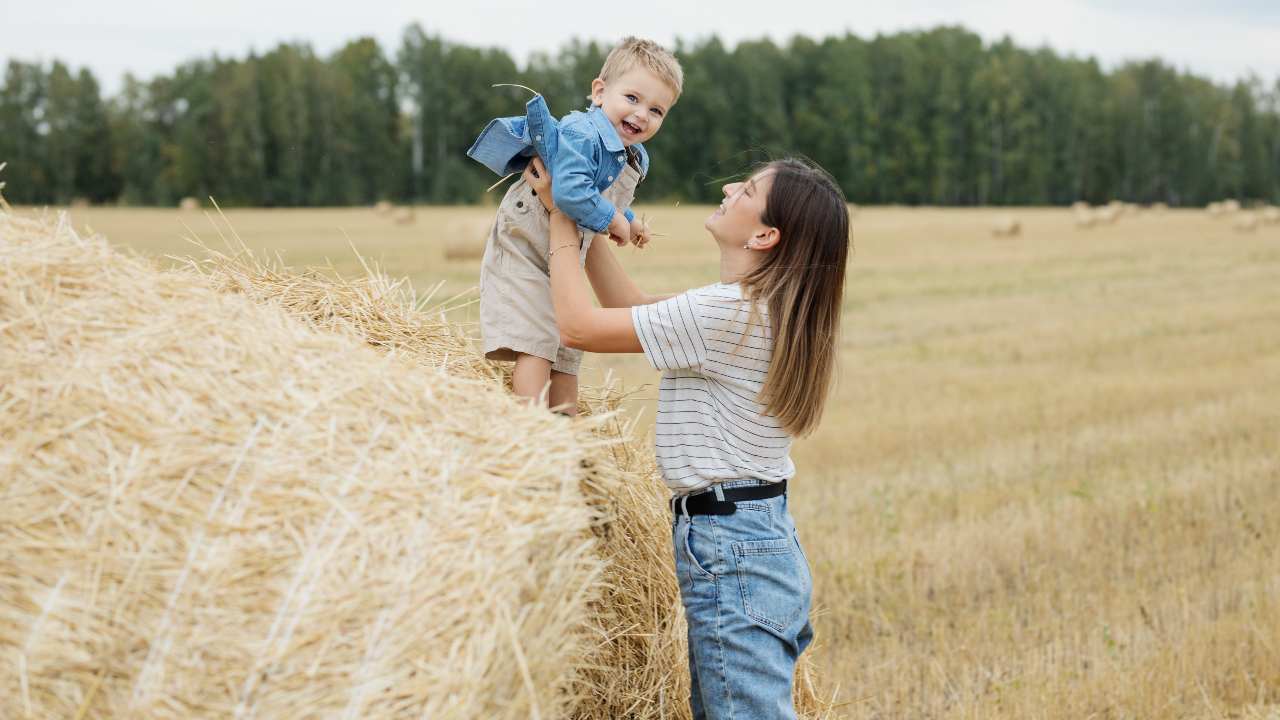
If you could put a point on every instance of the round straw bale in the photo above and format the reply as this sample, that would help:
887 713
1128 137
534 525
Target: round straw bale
262 491
189 204
1006 226
404 215
1214 209
1159 207
1271 215
382 207
1079 205
1246 222
464 239
1107 215
213 509
1230 206
1084 217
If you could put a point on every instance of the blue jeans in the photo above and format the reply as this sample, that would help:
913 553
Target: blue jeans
746 588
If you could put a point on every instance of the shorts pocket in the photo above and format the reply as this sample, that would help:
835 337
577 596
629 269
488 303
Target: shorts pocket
773 583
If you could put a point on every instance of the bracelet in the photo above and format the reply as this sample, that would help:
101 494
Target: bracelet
557 249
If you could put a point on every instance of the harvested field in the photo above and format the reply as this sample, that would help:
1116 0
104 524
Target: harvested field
1046 485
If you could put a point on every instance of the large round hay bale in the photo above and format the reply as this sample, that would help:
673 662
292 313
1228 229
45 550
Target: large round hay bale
1214 209
1271 215
286 494
382 207
1230 206
211 509
189 204
1084 216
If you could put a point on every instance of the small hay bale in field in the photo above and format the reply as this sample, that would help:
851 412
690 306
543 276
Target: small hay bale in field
1230 206
1246 222
382 207
1159 207
1271 216
1084 217
1214 209
1106 215
189 204
404 215
1006 226
1079 205
211 509
465 239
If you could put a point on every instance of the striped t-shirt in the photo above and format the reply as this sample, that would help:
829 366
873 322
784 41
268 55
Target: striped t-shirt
711 426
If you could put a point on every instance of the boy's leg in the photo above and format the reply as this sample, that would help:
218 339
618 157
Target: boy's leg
563 397
529 379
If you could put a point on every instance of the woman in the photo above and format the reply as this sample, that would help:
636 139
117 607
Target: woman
746 366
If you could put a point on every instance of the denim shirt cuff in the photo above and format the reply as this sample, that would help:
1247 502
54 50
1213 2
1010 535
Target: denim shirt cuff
630 216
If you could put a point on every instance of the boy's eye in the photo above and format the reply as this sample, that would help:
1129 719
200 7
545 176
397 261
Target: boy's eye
631 98
656 111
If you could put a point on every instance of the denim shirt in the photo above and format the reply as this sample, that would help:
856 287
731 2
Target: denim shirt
582 151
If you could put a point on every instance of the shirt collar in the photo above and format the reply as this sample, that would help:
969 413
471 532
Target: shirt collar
612 142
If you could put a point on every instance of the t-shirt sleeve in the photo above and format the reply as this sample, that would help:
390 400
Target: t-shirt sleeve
670 332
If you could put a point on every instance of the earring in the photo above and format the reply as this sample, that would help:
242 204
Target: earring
746 246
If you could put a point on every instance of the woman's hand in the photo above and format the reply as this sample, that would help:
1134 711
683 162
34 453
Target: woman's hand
536 176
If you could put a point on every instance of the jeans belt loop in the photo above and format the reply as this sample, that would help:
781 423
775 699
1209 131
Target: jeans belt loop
719 493
684 506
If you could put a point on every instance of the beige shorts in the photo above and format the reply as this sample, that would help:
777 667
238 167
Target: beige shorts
516 315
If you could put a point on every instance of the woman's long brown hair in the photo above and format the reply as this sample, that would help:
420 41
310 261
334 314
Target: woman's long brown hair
801 280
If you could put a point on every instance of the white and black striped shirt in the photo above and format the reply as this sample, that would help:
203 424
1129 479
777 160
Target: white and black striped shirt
714 356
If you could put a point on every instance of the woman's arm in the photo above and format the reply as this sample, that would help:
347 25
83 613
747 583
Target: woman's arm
582 325
614 287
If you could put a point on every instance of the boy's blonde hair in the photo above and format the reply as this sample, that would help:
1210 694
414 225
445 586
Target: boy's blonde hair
651 56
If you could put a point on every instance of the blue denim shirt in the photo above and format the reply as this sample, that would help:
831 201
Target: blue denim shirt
582 151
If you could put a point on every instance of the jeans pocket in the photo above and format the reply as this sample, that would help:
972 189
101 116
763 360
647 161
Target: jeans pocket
700 566
774 586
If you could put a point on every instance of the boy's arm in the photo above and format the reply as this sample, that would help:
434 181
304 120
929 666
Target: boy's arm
574 167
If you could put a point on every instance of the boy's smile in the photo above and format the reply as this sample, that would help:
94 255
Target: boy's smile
636 103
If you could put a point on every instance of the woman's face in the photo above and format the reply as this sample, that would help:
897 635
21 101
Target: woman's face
737 220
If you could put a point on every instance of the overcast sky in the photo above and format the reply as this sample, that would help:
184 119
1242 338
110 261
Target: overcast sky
1224 40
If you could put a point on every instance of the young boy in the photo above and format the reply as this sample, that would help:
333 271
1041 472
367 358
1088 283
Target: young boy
596 158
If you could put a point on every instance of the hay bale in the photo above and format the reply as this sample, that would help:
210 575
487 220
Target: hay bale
212 508
1271 215
256 507
1006 226
382 207
404 215
1159 207
189 204
1079 206
1214 209
1230 206
1084 216
464 239
1246 222
1107 215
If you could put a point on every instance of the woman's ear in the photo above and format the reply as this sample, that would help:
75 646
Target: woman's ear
597 92
766 239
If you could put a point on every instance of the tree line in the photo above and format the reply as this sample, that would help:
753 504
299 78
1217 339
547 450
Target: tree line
926 117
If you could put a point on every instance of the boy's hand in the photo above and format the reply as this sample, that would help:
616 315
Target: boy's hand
639 233
619 229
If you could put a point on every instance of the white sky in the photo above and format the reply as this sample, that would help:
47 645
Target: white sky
1225 40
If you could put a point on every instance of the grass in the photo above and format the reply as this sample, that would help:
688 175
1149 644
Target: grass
1046 486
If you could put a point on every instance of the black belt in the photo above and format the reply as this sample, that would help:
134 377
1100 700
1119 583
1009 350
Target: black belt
705 503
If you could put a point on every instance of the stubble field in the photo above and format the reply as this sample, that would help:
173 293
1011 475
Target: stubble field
1048 484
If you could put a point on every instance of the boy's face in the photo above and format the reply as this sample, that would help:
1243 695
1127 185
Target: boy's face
636 102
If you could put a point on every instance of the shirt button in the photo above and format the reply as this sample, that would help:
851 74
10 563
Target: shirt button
611 177
538 138
620 158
